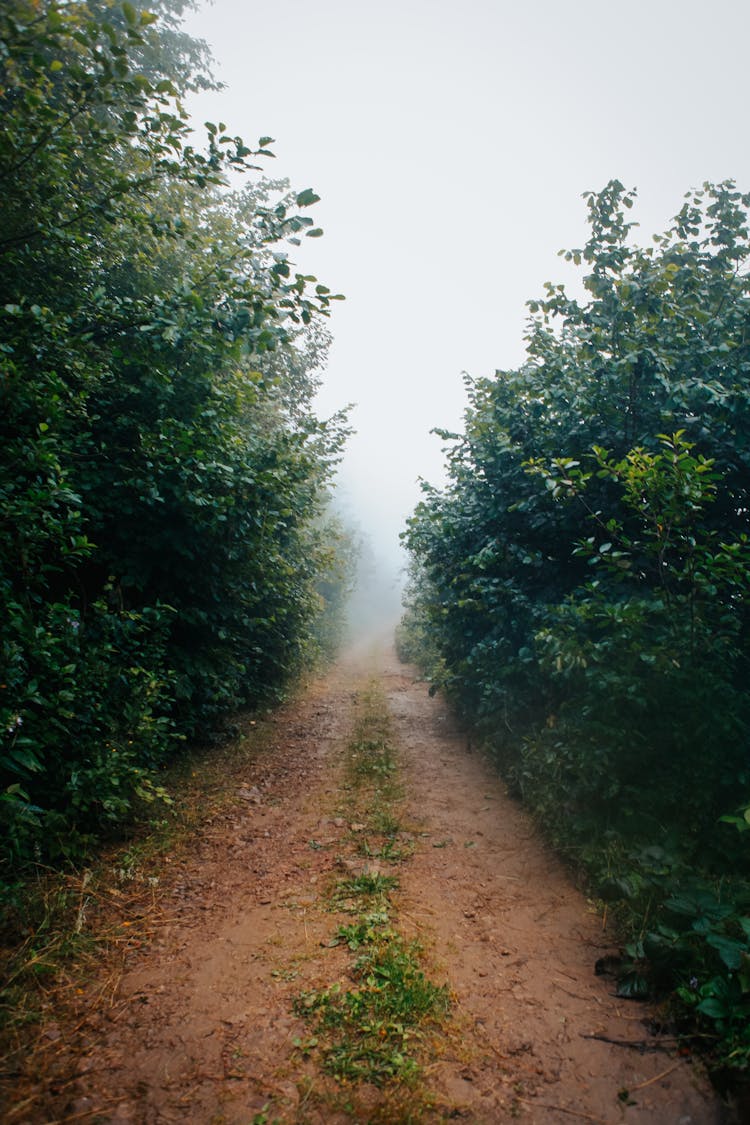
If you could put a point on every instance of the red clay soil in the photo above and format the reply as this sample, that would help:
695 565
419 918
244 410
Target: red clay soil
200 1027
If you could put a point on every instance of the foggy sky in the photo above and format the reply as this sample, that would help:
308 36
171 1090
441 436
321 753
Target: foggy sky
450 144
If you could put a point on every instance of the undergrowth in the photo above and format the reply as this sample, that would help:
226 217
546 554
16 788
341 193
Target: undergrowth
687 939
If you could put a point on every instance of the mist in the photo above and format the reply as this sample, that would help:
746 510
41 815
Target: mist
451 146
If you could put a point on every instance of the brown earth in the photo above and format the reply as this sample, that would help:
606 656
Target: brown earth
199 1027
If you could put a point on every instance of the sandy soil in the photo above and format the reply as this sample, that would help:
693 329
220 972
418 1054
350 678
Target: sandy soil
201 1029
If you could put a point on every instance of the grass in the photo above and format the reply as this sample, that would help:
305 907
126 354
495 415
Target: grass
368 885
371 1032
372 1027
61 931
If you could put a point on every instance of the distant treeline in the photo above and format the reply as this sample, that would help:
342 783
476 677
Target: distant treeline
165 553
580 588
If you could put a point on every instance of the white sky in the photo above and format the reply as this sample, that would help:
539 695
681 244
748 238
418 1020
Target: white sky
450 143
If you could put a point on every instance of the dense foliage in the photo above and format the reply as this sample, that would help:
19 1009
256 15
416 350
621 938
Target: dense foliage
163 479
580 587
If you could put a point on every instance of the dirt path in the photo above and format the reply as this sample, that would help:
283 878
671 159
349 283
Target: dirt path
201 1027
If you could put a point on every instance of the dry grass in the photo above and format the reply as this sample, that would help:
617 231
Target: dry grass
66 935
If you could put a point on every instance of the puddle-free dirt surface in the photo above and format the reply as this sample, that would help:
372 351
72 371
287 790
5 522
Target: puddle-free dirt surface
201 1030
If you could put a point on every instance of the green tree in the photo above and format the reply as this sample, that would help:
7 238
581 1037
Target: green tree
582 588
658 344
162 473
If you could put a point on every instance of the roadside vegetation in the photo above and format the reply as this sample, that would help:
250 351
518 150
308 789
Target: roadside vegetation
167 554
66 940
579 591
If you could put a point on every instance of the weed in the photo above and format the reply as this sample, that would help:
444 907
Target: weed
391 968
370 884
389 850
285 974
262 1118
365 931
384 822
370 1032
371 1027
52 917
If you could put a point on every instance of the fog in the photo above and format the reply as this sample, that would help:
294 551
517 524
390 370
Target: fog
450 144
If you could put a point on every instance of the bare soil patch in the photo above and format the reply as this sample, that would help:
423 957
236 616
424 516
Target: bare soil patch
519 943
198 1024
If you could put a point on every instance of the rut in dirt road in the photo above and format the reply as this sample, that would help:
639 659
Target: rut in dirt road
209 1025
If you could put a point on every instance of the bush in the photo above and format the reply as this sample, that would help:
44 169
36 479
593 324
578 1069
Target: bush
582 582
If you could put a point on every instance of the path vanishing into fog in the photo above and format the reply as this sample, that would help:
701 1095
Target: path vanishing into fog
199 1026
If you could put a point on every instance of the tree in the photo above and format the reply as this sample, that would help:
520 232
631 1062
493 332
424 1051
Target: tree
581 589
569 569
161 471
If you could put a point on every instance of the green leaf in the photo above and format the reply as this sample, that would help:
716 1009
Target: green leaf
728 949
713 1008
633 986
307 197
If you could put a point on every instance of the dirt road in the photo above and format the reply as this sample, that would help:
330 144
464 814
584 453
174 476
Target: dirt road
202 1027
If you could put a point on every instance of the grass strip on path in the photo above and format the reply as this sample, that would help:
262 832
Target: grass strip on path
373 1030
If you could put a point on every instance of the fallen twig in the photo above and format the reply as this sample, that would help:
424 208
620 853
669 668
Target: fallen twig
649 1081
87 1112
562 1109
637 1044
577 995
